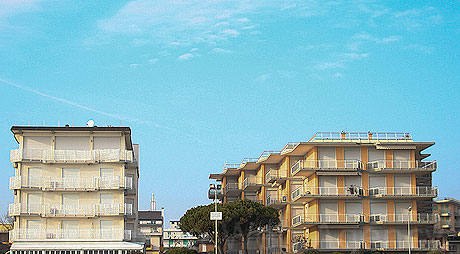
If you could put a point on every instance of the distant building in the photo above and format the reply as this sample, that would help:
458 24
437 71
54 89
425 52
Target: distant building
173 237
151 226
75 190
448 228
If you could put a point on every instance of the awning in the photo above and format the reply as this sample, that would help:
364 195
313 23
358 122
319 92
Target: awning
76 246
395 147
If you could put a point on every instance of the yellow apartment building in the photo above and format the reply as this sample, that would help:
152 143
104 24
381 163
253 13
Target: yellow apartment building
447 230
339 192
75 191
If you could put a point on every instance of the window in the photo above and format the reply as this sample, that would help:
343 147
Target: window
435 208
171 242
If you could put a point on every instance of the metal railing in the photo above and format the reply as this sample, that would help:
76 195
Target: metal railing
69 234
421 191
248 160
361 135
252 180
86 156
332 165
289 147
275 200
327 218
72 183
265 154
402 164
49 210
422 245
228 165
327 191
231 187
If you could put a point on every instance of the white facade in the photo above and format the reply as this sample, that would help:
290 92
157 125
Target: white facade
173 237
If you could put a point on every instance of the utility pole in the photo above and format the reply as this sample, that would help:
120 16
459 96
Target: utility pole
408 227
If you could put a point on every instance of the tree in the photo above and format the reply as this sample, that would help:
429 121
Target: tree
248 216
196 221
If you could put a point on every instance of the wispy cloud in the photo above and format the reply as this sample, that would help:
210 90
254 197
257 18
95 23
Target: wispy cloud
98 111
264 77
153 61
187 56
221 51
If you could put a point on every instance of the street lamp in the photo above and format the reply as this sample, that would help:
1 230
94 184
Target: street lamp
409 210
213 187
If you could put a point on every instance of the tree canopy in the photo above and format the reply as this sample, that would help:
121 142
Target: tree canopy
239 218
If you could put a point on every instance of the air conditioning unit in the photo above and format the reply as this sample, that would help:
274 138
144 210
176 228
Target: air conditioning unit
376 245
284 199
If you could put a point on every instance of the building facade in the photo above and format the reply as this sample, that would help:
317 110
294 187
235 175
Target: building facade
339 192
447 230
75 190
151 225
174 237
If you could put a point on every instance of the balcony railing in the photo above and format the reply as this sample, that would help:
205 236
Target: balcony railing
327 191
332 165
274 200
83 156
402 164
252 181
401 245
420 218
229 187
68 183
379 245
327 218
69 234
419 191
48 210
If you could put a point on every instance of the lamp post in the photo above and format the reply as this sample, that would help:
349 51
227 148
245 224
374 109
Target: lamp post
409 210
213 187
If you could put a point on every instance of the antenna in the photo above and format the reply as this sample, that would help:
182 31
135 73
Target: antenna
90 123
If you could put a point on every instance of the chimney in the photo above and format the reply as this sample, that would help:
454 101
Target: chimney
163 213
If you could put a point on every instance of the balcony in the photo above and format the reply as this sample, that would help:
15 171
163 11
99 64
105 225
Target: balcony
276 202
308 167
71 156
399 165
72 184
70 234
232 189
47 210
302 194
444 213
394 192
252 183
315 219
421 218
404 245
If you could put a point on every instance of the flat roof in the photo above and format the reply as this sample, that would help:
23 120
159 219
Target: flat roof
150 215
68 128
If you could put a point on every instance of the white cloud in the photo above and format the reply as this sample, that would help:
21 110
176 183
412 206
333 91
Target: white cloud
194 49
231 32
221 51
337 75
153 61
243 20
187 56
133 65
13 7
355 55
329 65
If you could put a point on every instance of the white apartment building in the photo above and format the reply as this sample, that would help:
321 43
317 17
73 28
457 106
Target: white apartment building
75 191
173 237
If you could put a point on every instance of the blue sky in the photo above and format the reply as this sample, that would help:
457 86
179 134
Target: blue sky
203 82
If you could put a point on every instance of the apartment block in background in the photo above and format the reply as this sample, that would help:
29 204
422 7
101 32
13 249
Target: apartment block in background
339 192
447 230
75 190
174 237
151 226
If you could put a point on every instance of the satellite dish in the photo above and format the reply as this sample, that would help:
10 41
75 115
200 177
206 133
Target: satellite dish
90 123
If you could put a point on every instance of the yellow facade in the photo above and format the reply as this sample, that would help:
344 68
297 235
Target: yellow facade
344 191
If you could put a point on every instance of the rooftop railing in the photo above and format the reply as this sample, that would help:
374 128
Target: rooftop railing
361 136
289 147
265 154
229 165
77 156
248 160
72 183
49 210
69 234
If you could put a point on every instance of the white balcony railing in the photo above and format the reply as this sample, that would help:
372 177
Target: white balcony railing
254 181
424 218
49 210
402 164
327 218
67 183
69 234
83 156
421 191
327 191
333 165
229 187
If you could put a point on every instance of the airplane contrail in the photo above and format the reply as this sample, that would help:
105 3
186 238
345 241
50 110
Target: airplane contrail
78 105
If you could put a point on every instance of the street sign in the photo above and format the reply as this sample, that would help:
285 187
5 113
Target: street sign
216 215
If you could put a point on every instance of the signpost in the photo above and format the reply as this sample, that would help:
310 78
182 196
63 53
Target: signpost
216 216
